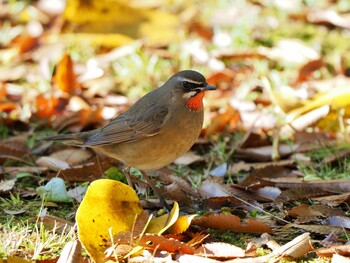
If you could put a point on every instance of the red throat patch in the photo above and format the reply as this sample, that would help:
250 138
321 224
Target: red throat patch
196 103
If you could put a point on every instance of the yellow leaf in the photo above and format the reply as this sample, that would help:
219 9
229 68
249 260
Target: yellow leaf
337 98
106 40
181 224
160 224
108 208
105 17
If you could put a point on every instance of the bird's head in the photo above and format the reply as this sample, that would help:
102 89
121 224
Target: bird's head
189 88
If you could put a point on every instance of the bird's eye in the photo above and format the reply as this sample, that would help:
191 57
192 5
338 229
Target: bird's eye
187 85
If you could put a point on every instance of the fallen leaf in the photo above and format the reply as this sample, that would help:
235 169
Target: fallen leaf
181 224
264 153
304 210
219 171
188 158
72 156
71 253
6 185
302 122
52 163
340 221
290 52
231 223
53 222
329 17
343 250
15 212
162 223
160 243
307 69
48 105
219 250
64 75
54 191
296 248
195 259
320 229
334 200
118 206
340 259
25 43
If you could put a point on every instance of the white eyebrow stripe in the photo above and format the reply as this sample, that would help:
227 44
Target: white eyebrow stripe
191 80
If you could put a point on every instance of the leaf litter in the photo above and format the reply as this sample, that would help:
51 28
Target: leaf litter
273 156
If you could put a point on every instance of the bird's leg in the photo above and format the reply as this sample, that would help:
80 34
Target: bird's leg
127 175
156 191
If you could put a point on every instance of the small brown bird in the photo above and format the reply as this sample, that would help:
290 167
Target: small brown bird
156 130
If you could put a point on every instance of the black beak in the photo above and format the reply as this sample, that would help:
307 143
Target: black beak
209 87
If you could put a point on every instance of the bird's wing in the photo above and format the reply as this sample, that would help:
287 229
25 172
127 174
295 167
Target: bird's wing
126 128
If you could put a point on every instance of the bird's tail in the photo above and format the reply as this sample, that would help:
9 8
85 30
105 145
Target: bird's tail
77 139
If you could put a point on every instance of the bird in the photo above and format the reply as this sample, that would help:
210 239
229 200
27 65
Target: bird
160 127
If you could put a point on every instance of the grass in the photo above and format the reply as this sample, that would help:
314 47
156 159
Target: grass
32 241
25 236
339 169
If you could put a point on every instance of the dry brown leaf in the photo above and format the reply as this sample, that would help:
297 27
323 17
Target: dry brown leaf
8 106
261 259
225 120
25 43
255 179
304 210
219 250
300 192
188 158
264 153
231 223
52 163
76 121
174 192
157 242
180 182
71 252
197 238
64 76
296 248
73 155
343 250
305 72
13 149
82 173
6 185
243 166
334 200
195 259
320 229
57 223
48 106
222 201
